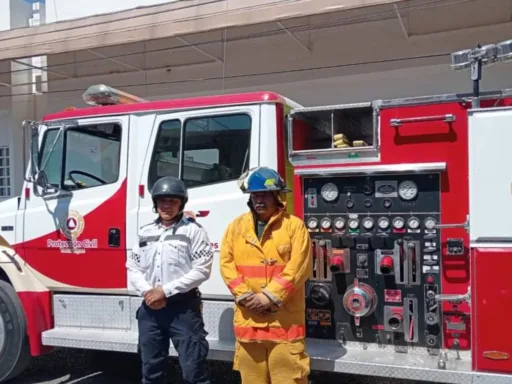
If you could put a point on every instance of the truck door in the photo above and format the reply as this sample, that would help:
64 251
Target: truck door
490 232
74 237
208 149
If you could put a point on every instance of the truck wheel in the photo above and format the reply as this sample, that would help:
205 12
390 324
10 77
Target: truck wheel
14 347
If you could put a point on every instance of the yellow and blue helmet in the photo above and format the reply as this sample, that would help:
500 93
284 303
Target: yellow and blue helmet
261 179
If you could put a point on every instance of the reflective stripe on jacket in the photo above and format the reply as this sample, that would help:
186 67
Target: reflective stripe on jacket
278 265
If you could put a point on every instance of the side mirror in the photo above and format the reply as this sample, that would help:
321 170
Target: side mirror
40 181
34 149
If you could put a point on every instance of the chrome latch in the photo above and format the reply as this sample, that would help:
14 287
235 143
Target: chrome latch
464 225
454 297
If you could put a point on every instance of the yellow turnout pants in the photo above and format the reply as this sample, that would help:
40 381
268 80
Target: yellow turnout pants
272 363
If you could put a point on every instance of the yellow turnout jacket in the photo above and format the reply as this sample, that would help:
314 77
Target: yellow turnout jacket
277 265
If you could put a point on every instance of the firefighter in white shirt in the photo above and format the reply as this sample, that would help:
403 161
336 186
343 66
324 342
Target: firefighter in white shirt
171 259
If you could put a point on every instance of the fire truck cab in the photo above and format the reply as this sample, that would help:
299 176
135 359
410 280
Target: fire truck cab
87 192
406 201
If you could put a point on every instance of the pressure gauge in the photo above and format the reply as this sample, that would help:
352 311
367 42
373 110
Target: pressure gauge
383 223
368 223
325 223
312 223
339 223
329 192
408 190
430 223
398 223
353 223
413 223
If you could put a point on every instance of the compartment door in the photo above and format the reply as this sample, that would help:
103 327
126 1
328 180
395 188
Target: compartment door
490 176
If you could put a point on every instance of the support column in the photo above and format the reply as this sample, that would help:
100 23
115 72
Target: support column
28 84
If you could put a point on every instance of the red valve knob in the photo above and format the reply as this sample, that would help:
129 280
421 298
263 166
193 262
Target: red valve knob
336 264
386 265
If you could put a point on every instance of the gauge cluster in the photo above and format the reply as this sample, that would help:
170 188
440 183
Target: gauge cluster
377 251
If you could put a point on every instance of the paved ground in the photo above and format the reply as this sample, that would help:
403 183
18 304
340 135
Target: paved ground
82 367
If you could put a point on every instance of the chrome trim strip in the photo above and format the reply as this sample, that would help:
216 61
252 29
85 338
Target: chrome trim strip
332 107
443 98
372 169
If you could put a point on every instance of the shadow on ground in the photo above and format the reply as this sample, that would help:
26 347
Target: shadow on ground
67 366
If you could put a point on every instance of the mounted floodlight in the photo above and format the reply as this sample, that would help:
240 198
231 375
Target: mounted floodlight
475 59
104 95
463 59
505 50
460 60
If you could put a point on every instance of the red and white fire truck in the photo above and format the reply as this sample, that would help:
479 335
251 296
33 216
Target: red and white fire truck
409 204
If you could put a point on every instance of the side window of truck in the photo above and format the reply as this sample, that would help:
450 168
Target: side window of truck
84 157
215 149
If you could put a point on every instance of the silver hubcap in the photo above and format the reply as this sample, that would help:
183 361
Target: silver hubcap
2 334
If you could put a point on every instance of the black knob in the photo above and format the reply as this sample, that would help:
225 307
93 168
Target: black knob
378 242
349 203
319 294
389 242
348 242
337 242
362 242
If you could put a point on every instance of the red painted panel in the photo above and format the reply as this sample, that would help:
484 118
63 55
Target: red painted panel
101 267
38 312
189 103
491 309
437 141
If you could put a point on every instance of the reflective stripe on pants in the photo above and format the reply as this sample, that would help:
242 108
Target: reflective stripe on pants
272 363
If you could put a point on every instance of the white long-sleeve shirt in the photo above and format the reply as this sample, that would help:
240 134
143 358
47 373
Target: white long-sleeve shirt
177 258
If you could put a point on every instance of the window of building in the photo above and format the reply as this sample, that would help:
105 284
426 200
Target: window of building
5 172
215 149
83 157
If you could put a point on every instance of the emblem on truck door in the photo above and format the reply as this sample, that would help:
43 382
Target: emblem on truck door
73 225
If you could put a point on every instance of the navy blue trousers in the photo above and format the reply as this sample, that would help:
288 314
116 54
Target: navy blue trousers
181 321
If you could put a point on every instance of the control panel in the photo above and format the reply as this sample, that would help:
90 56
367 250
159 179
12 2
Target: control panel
376 256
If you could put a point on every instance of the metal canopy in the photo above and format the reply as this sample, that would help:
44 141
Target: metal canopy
296 43
161 21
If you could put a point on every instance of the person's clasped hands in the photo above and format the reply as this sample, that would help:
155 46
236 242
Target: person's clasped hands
259 303
155 298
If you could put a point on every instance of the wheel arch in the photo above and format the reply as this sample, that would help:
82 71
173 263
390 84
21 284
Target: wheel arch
34 297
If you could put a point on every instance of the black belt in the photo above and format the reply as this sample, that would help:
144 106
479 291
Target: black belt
192 294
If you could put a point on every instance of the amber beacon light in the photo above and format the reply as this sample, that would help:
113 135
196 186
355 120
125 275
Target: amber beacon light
104 95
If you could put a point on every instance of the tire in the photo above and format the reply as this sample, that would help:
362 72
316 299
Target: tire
14 348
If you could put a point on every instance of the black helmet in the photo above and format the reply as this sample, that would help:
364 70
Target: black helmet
169 186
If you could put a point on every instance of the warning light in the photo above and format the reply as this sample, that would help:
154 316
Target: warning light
104 95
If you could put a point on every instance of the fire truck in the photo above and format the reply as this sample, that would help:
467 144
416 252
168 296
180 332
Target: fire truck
408 202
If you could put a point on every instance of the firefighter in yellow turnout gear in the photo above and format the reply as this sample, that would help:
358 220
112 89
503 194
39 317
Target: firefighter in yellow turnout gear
265 259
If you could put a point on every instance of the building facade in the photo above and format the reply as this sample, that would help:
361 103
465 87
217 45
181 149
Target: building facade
312 51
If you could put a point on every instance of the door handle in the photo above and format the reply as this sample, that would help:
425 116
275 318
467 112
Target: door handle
114 237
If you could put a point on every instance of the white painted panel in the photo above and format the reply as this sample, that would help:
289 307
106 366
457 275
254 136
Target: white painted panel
222 200
490 175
